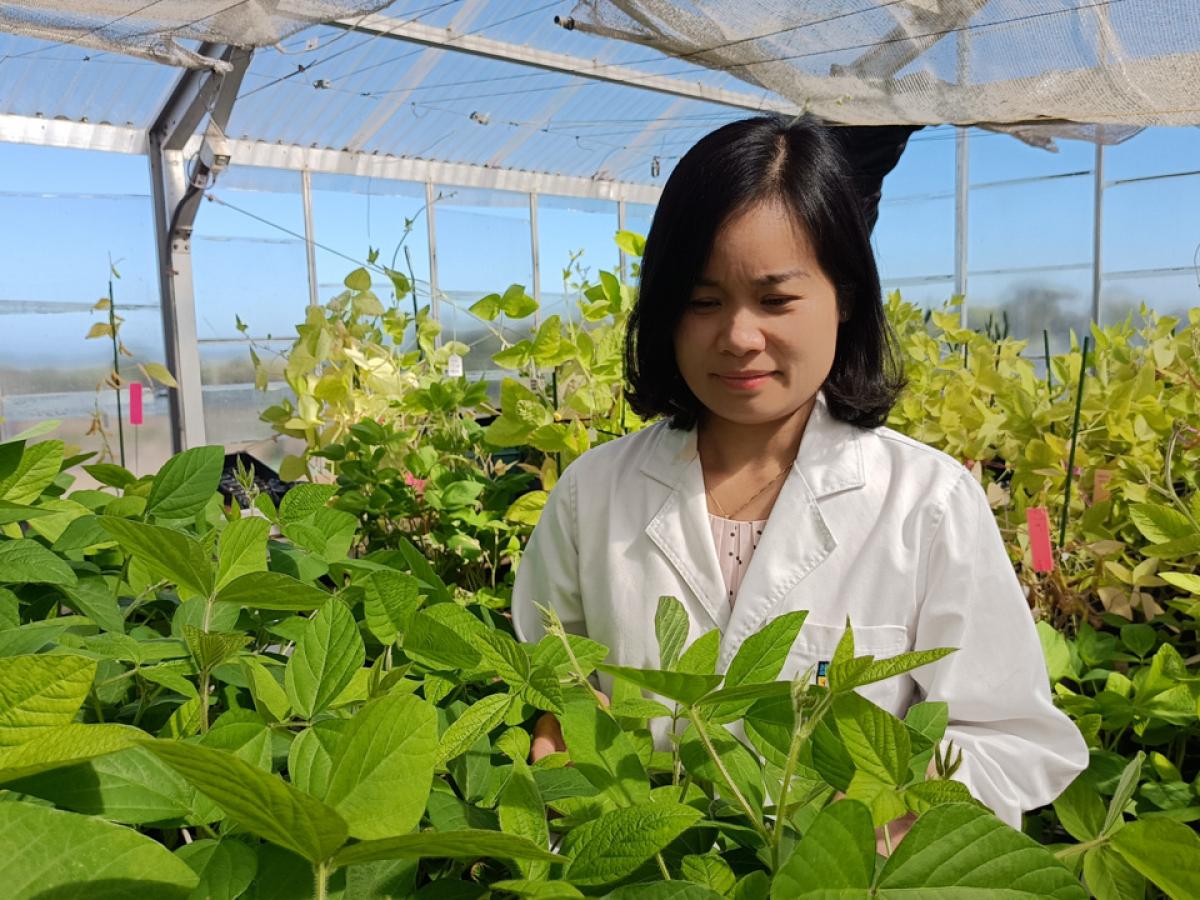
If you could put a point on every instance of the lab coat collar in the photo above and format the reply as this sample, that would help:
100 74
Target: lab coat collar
795 541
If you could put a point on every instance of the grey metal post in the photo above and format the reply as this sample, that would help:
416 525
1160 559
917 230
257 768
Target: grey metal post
962 188
623 261
310 247
1097 230
534 257
433 270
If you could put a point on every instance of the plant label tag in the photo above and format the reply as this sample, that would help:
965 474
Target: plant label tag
135 403
454 366
1100 485
823 673
1039 538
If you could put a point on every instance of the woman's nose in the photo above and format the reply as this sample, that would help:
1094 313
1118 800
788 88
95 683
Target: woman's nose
741 333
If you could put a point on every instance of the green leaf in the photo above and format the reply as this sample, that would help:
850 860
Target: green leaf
631 242
516 303
358 280
1182 580
32 636
111 475
836 856
131 786
423 570
1160 524
878 742
260 802
1080 810
742 766
963 851
40 691
19 512
709 870
924 795
762 655
475 722
326 657
390 600
522 813
211 648
540 889
1165 851
1109 877
881 669
226 868
81 534
158 372
27 561
35 472
671 629
1127 784
165 552
184 485
386 751
701 657
432 643
467 843
620 841
303 501
310 758
601 751
487 308
243 549
675 686
270 699
50 853
46 748
272 590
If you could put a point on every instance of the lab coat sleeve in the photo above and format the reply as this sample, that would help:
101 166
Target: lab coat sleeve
549 570
1019 751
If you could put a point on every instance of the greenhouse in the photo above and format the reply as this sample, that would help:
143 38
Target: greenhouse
395 395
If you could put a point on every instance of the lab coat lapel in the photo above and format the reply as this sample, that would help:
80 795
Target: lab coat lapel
797 537
681 527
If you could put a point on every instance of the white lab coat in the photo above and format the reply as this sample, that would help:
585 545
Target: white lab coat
869 524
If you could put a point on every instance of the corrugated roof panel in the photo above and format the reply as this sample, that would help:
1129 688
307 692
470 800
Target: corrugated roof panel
41 78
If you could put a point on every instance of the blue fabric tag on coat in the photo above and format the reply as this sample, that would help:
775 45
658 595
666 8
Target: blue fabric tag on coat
823 673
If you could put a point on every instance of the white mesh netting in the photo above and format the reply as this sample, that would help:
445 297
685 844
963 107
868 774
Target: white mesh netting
1008 64
153 28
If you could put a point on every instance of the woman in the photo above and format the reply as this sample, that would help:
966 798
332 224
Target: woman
772 484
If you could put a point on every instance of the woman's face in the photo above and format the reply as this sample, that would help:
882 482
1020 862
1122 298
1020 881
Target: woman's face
757 336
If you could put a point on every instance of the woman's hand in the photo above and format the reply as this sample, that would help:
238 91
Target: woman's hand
548 736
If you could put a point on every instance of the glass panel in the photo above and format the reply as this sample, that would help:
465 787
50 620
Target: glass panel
638 217
1169 295
1151 224
58 266
1155 151
245 263
352 215
1040 225
232 405
1057 301
567 226
483 246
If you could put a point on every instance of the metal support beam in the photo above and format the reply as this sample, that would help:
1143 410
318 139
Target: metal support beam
1097 230
533 255
177 196
431 222
962 192
340 162
624 260
310 247
75 135
446 39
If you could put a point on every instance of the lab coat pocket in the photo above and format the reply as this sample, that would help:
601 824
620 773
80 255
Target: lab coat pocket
816 644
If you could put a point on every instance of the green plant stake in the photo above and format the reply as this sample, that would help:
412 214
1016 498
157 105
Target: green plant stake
1062 528
1049 376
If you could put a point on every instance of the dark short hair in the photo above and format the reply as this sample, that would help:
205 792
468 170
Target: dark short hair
797 162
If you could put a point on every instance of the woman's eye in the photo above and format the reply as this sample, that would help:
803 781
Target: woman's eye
702 303
777 301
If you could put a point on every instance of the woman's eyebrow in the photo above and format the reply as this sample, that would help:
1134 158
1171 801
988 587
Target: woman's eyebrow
771 278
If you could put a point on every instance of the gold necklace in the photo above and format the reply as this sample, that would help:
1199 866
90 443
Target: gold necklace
754 497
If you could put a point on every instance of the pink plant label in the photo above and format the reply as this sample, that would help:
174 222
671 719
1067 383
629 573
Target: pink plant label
135 403
1039 538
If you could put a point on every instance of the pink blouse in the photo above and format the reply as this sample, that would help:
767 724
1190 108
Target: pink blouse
735 542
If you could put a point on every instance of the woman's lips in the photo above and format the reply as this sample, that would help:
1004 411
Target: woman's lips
745 382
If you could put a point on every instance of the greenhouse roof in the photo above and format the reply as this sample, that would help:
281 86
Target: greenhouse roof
595 98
